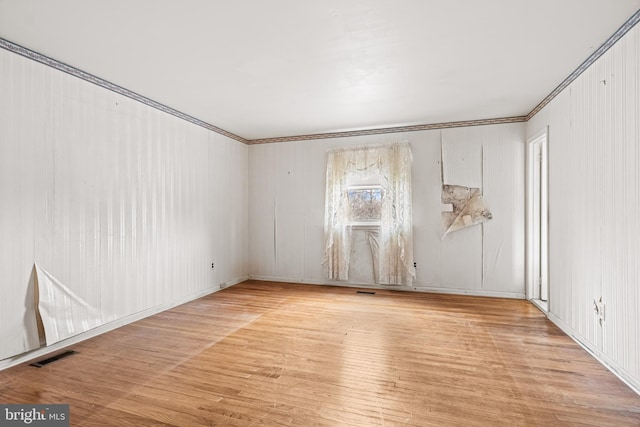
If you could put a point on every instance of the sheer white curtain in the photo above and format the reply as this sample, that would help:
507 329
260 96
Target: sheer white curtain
392 164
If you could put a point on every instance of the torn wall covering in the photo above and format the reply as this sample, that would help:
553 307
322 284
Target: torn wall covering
63 313
491 160
464 206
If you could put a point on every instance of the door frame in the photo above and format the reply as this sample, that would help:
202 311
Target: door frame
537 219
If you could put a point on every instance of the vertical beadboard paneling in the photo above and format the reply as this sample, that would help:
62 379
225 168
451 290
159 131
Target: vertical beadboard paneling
503 255
461 251
289 212
594 199
313 185
127 206
631 293
262 190
454 264
220 176
580 203
230 208
560 297
621 279
427 212
241 212
19 165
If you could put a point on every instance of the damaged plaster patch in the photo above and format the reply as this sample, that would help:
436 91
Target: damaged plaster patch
462 207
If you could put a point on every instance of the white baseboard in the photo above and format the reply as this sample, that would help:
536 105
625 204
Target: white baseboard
42 351
625 377
413 288
470 292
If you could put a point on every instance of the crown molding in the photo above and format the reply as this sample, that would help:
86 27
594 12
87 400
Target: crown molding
378 131
35 56
624 29
65 68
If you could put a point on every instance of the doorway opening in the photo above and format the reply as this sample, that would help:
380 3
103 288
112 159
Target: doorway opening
538 221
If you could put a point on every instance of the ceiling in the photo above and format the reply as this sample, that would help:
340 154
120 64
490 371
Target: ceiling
263 69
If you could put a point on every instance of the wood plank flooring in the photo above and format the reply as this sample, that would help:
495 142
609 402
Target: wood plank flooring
263 353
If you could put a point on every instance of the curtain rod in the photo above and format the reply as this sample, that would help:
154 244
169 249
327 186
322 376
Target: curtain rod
367 147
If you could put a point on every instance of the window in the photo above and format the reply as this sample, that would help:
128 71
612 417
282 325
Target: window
365 203
370 185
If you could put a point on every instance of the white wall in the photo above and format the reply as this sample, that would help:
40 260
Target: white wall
125 205
594 205
287 185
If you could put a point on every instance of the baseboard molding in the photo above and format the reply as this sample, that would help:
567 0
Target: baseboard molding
625 377
329 283
470 292
43 351
413 288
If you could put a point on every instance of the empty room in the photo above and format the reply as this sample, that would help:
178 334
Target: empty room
340 213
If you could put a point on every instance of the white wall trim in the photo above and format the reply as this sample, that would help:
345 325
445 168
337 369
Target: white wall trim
541 136
412 288
43 351
470 292
597 354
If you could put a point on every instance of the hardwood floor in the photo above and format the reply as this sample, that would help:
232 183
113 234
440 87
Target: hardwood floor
263 353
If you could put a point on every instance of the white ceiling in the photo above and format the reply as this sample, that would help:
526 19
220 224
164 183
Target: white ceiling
274 68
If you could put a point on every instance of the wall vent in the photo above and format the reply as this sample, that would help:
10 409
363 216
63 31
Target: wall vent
43 362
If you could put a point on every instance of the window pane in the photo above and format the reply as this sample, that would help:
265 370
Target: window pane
365 203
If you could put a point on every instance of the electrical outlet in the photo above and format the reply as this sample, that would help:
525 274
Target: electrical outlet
213 265
415 265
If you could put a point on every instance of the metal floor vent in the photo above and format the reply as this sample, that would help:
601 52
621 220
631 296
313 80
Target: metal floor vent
41 363
365 292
